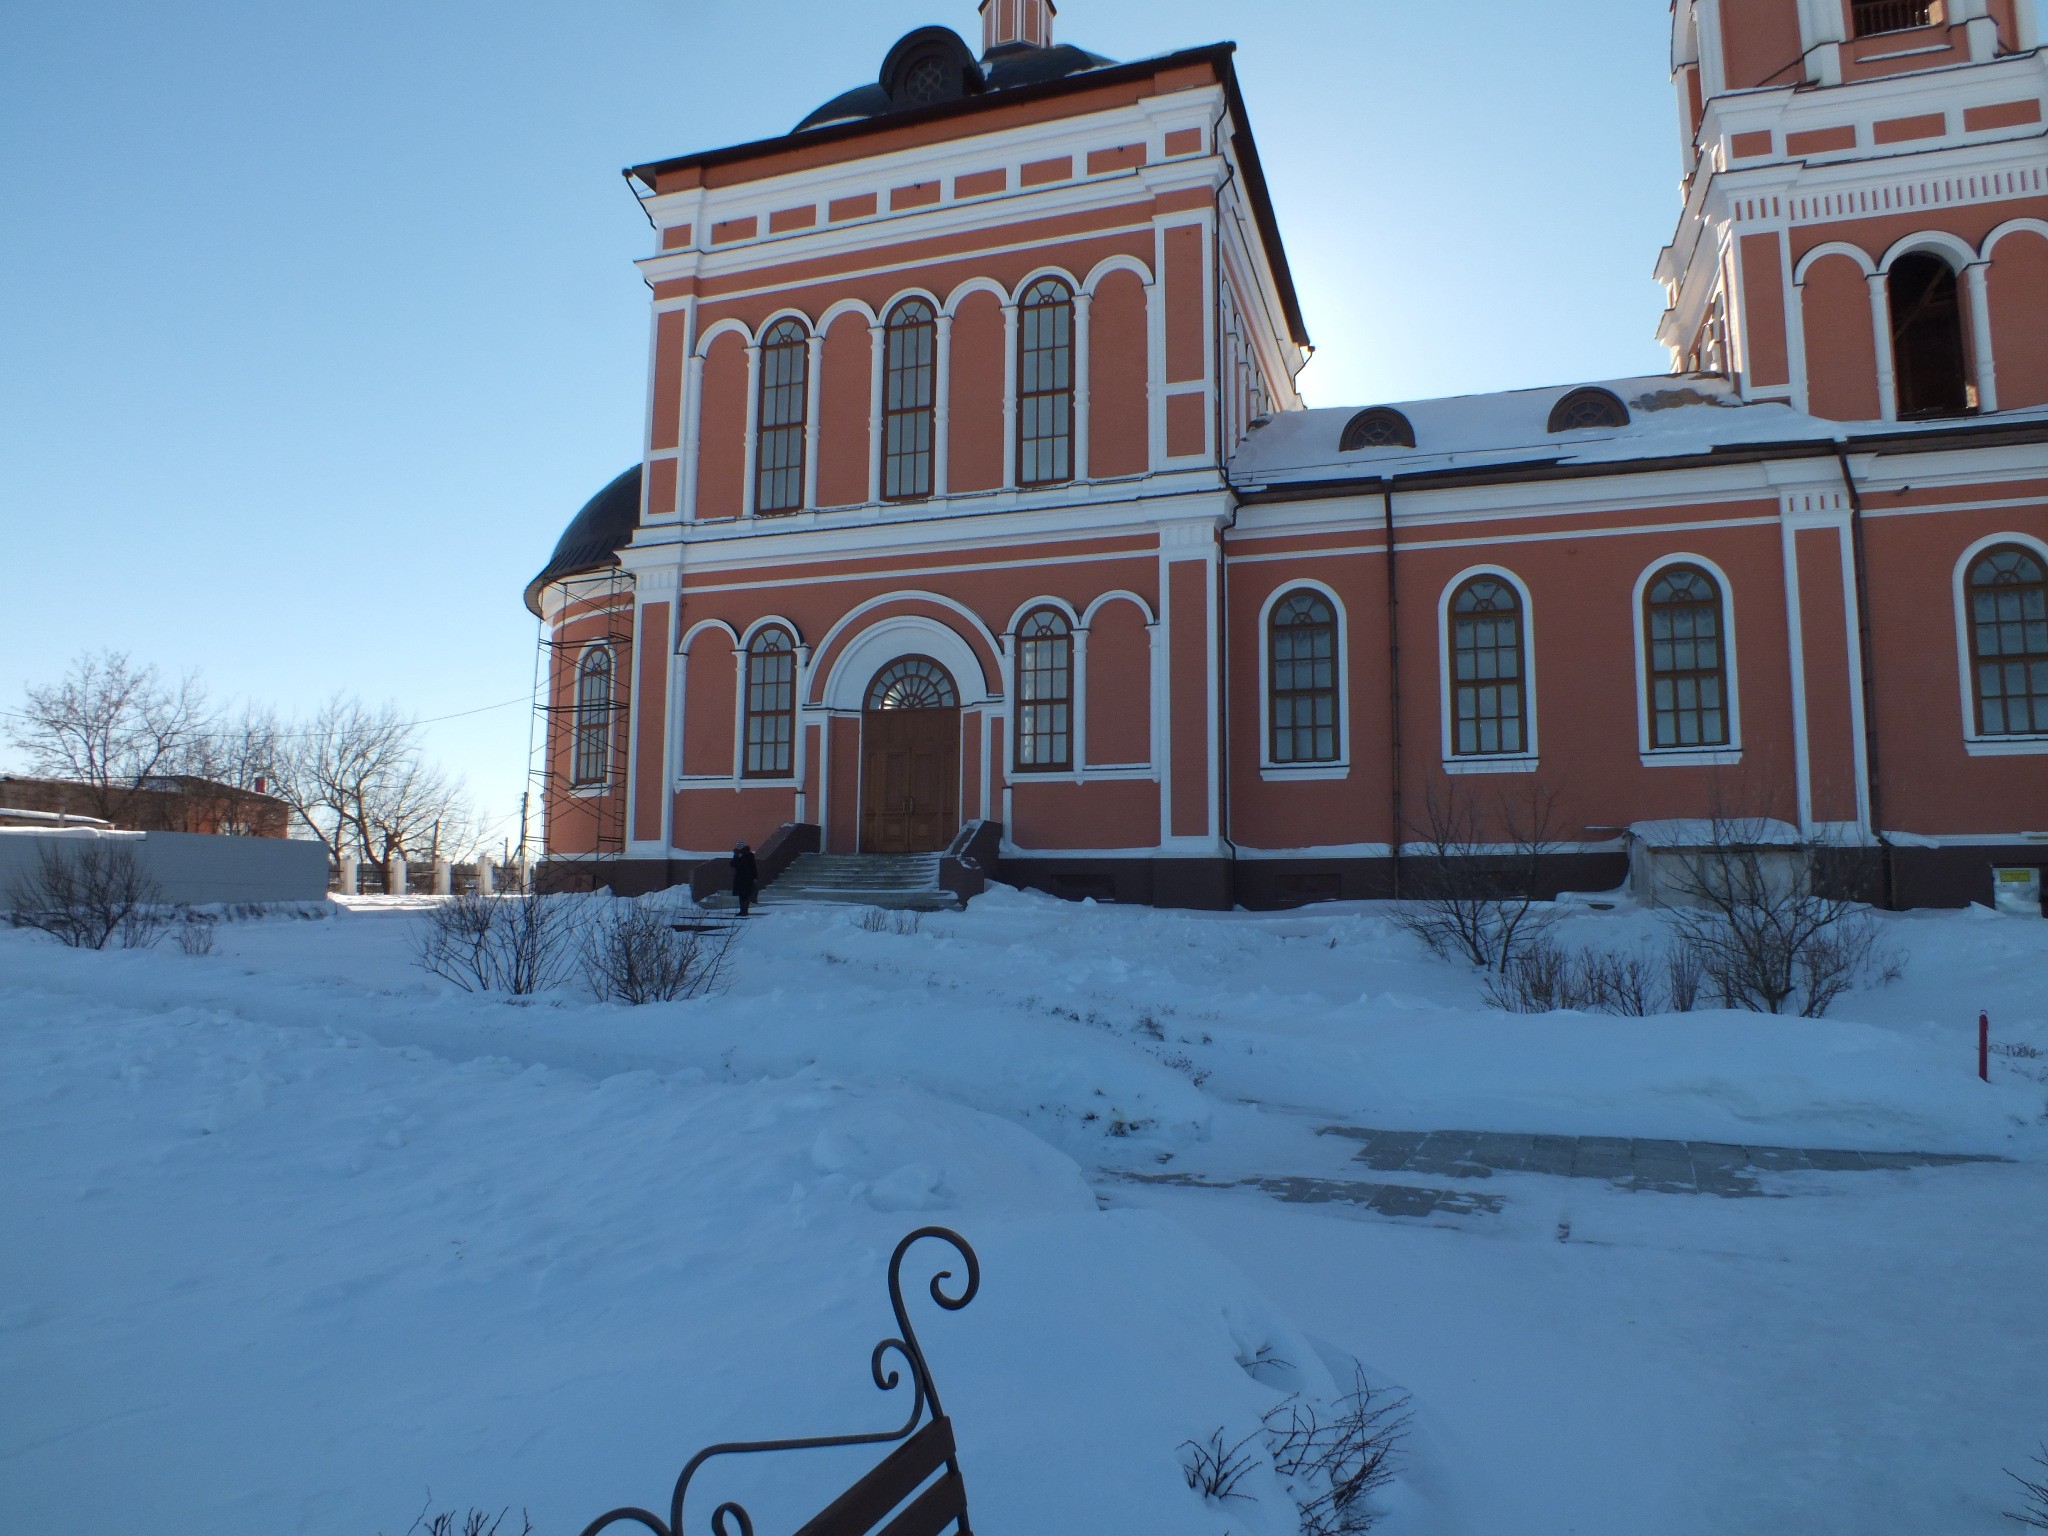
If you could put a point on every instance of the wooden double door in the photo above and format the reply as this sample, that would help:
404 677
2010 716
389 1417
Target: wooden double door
910 780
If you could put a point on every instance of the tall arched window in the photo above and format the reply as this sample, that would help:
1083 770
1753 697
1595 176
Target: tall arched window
1489 670
785 404
1045 693
1045 384
1302 676
1928 357
593 730
909 386
2008 596
1686 659
771 705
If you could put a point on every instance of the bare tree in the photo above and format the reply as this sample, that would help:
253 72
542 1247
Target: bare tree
233 761
2036 1512
1474 883
112 726
358 778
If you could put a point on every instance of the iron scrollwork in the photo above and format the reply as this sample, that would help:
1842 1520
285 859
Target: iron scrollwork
732 1519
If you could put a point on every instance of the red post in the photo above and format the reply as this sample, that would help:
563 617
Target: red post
1984 1046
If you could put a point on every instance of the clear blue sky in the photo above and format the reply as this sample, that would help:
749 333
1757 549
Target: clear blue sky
318 321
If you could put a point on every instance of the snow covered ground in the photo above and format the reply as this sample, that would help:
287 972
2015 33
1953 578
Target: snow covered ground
297 1234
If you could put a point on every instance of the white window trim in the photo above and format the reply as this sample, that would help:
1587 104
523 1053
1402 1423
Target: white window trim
1340 767
1077 697
594 788
1525 761
742 653
1687 757
1974 742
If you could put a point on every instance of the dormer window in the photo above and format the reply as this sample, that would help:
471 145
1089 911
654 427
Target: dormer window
1380 427
1587 409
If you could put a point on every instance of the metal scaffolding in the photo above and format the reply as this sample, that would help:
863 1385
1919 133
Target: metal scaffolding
582 816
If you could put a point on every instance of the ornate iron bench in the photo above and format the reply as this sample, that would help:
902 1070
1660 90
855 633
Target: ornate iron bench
918 1483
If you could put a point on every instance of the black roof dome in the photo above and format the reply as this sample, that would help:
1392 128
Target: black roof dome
593 540
932 66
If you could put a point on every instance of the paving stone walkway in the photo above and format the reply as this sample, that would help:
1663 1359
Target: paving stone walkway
1386 1199
1667 1167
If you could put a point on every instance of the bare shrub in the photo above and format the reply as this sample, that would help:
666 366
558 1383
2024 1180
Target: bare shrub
1685 976
2036 1512
1473 886
880 920
636 955
1531 981
1330 1460
476 1522
1772 934
515 944
1544 977
196 933
85 894
1214 1470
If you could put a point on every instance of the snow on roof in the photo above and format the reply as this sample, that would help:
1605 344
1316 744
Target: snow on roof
1670 416
1696 832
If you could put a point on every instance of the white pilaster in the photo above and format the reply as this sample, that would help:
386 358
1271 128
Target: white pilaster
750 491
693 435
1980 325
1084 304
1881 335
1010 396
942 396
814 365
878 348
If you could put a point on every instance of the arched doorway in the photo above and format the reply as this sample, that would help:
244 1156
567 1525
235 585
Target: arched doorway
910 759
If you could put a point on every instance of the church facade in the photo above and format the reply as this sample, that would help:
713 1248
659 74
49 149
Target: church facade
979 495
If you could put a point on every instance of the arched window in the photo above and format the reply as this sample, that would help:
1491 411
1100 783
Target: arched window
1584 409
1045 384
1489 671
910 379
915 682
771 705
785 404
1045 693
593 732
1686 659
1928 358
2008 596
1380 427
1302 675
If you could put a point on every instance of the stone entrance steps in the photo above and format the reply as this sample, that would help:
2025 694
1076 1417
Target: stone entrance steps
905 883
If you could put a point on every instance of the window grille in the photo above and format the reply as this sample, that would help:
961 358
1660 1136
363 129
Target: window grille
1684 634
1380 427
909 388
1045 693
1045 384
1583 409
771 705
1489 697
2009 642
916 682
785 404
1874 17
1302 680
593 751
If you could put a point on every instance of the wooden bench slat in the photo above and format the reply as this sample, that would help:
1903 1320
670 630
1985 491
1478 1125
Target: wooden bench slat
867 1503
936 1508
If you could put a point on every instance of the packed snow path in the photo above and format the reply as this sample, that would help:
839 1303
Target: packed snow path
299 1234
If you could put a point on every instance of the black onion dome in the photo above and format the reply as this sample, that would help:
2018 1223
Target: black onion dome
593 541
932 66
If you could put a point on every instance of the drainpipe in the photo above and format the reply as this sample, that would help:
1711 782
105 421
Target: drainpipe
1866 651
1393 683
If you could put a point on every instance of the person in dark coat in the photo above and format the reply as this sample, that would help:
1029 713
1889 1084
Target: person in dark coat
746 876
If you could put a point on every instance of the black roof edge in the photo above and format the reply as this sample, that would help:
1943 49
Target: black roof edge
1989 435
834 133
1220 55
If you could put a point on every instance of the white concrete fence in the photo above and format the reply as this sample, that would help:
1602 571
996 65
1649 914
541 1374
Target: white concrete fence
191 869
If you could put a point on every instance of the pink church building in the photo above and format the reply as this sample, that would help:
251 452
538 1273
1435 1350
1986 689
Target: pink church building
981 515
